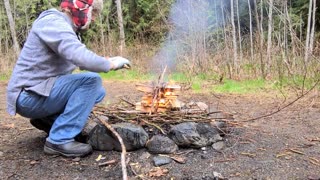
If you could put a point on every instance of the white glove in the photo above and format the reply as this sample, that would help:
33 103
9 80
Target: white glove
119 62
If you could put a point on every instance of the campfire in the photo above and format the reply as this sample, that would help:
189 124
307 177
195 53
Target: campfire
161 123
159 98
160 106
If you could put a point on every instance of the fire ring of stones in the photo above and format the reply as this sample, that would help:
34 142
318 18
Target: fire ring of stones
159 122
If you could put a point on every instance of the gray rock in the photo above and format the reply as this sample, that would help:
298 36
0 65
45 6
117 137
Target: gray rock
101 139
161 160
218 146
161 145
1 153
133 136
194 135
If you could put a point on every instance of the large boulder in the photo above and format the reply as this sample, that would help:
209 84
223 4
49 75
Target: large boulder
133 136
195 135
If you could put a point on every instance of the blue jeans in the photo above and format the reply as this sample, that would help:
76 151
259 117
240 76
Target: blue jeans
69 103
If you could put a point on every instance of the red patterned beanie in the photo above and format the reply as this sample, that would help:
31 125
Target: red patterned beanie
81 11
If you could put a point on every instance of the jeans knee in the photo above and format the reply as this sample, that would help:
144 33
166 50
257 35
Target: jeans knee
100 95
94 79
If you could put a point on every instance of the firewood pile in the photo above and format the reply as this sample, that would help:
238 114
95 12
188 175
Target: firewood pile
160 105
192 112
160 98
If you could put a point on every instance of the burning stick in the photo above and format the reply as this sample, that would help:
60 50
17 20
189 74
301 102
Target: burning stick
156 91
123 154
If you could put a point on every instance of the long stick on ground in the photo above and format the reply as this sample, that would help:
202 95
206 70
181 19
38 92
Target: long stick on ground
289 104
123 153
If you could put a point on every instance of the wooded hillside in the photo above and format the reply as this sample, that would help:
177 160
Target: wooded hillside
231 38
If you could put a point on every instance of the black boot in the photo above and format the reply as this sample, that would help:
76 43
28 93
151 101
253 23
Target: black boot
71 149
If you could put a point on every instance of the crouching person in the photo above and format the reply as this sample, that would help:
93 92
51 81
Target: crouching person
42 86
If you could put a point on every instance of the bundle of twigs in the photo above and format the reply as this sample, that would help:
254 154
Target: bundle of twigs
169 117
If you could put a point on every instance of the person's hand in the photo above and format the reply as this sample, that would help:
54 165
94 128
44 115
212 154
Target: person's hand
119 62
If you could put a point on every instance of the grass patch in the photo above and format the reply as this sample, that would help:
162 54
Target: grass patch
4 77
240 87
296 81
125 75
178 77
196 86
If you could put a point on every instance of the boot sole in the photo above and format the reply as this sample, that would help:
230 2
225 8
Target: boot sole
51 151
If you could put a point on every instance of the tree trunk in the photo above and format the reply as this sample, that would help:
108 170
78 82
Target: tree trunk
251 35
307 48
313 27
25 9
270 24
226 45
120 21
285 30
292 34
12 27
260 36
234 37
239 31
216 22
102 38
1 33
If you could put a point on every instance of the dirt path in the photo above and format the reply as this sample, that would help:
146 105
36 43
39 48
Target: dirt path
284 146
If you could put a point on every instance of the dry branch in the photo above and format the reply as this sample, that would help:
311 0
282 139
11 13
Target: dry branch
128 102
123 153
289 104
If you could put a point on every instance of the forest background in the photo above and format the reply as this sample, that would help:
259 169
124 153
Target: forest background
275 40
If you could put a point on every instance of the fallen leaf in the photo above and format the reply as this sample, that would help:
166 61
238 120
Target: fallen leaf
314 161
283 154
9 125
99 157
296 151
248 154
315 139
27 129
262 149
34 162
158 172
179 159
107 163
237 174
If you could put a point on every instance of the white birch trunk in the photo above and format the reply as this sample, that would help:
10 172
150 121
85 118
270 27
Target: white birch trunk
307 47
313 27
234 37
270 24
121 29
12 27
251 33
239 30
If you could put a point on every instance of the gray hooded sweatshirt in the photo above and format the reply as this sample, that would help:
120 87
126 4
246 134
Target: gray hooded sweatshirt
52 49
